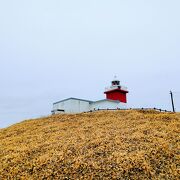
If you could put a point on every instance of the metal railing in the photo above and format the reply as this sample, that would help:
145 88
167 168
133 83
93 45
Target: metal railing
115 87
155 109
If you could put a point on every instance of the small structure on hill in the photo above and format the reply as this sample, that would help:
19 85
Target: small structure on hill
116 97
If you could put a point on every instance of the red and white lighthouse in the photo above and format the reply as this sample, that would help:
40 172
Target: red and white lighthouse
115 99
116 91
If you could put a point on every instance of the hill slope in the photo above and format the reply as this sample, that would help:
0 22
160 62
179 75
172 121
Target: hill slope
101 145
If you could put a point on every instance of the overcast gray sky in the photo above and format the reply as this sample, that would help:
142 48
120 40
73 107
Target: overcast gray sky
54 49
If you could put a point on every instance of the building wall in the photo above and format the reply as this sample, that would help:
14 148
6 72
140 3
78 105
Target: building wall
107 105
78 106
122 105
72 106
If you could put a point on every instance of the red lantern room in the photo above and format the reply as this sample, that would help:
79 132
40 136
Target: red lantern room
116 91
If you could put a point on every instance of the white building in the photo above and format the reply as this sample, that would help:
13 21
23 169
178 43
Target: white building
115 98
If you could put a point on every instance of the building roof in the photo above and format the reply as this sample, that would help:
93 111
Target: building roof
71 98
109 100
91 102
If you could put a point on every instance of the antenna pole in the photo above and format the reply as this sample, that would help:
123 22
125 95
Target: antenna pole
172 100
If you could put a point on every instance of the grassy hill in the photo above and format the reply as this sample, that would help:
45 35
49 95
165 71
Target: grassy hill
100 145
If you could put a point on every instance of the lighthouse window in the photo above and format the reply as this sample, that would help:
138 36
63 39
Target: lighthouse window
115 82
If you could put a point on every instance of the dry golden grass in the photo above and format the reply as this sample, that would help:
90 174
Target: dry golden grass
101 145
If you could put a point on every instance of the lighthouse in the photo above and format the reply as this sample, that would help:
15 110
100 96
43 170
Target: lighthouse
116 91
116 98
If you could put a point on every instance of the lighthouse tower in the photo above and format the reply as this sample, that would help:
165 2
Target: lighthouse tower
116 91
